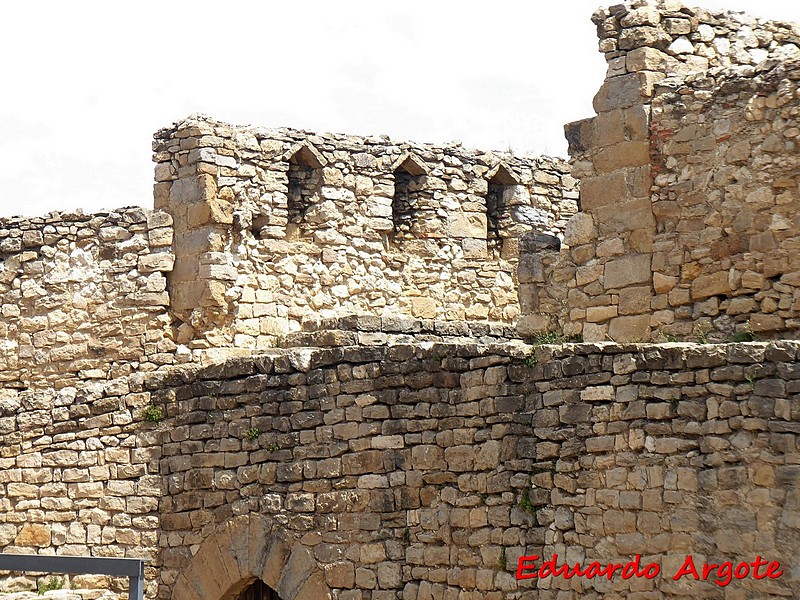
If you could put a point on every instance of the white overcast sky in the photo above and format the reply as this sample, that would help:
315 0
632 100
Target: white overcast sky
85 84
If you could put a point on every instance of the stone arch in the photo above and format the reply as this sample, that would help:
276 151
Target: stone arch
246 548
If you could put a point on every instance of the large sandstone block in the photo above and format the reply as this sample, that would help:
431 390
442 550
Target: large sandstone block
190 190
466 225
606 189
33 535
714 284
626 271
629 215
624 91
625 154
630 329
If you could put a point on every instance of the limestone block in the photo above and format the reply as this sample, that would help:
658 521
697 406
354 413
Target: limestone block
765 323
191 190
714 284
607 189
423 308
630 328
588 274
488 455
579 230
219 272
636 37
662 284
157 219
626 271
530 324
33 535
113 234
620 92
474 248
599 314
651 59
625 216
677 26
625 154
742 306
467 225
580 136
161 236
427 457
583 254
340 575
161 261
646 15
681 45
634 300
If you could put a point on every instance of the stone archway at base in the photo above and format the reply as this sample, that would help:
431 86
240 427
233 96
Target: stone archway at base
245 549
258 590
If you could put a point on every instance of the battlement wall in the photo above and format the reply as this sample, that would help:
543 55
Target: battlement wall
689 187
84 296
257 231
276 226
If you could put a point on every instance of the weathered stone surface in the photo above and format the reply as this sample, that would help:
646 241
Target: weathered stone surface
710 285
579 230
657 165
629 329
34 535
626 271
392 442
419 455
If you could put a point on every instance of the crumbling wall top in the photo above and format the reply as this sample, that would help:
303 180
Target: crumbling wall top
669 38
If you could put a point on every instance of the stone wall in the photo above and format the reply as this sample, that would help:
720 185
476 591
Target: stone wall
79 475
277 226
72 593
391 472
689 188
83 296
99 296
725 255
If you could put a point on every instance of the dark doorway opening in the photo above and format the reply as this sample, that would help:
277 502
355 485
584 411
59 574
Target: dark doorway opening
258 590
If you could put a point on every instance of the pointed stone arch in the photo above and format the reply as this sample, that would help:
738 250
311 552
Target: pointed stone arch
306 154
246 548
411 164
502 174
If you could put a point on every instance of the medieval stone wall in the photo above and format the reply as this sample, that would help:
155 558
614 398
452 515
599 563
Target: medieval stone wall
99 296
689 189
419 453
78 475
726 255
391 472
83 296
277 226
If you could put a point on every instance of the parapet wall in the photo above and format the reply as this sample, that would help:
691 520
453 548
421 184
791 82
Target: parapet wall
276 226
83 296
256 231
689 187
401 471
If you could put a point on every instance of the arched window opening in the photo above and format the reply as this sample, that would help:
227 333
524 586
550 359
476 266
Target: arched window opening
502 184
305 176
409 173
